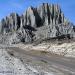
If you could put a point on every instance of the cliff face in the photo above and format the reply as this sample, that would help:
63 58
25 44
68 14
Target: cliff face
43 15
10 23
45 21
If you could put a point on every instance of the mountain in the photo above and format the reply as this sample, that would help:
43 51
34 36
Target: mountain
44 22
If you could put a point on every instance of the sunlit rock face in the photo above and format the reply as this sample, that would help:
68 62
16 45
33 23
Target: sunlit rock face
10 23
45 21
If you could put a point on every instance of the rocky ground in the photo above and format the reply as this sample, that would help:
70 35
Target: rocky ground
64 48
11 65
41 59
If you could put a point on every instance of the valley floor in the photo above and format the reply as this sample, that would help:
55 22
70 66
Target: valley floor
27 60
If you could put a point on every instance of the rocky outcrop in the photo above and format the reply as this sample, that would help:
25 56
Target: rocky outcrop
10 23
43 22
43 15
51 14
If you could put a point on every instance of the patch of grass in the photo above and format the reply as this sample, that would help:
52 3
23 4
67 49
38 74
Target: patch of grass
41 62
44 52
44 61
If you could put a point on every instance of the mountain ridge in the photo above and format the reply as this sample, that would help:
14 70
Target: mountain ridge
45 21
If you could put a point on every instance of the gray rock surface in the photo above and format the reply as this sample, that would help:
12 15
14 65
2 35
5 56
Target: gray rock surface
10 23
43 22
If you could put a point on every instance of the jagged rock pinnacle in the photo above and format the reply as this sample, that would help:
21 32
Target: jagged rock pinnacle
45 21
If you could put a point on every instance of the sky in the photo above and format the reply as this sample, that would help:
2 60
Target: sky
19 6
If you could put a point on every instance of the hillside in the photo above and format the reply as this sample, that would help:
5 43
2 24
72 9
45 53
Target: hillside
47 21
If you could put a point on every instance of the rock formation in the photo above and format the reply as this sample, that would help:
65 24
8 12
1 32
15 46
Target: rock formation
43 22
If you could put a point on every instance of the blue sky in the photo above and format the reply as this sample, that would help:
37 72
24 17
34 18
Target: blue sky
19 6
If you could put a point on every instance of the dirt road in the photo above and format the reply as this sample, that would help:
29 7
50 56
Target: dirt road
60 64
